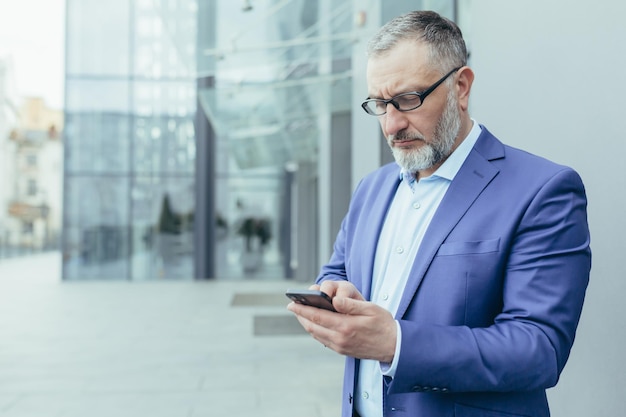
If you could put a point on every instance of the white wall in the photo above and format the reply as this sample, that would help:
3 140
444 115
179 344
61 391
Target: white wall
549 80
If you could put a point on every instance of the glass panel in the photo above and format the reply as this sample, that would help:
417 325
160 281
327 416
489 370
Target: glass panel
97 142
164 39
276 76
96 226
130 107
162 219
98 33
104 95
163 128
281 70
249 226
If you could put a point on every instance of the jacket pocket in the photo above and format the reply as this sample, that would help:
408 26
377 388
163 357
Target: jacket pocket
468 248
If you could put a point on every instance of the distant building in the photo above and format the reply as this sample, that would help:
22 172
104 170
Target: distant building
32 178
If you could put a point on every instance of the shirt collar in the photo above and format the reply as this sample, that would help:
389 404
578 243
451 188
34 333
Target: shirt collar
452 165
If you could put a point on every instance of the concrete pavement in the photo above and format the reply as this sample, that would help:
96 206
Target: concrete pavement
188 349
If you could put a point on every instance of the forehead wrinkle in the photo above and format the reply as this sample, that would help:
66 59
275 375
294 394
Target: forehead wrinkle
395 89
397 82
387 85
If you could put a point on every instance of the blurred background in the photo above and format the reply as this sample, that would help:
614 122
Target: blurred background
182 139
210 141
31 126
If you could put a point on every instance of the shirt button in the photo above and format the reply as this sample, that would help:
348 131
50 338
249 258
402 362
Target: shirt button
416 205
399 249
385 297
365 395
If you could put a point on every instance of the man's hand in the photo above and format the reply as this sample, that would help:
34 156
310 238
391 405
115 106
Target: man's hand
360 329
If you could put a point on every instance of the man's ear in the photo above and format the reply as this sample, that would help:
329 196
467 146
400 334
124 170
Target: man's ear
464 86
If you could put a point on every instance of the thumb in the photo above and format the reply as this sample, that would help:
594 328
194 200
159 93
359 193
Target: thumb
351 306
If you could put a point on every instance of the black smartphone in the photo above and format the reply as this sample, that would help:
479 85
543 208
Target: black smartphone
313 298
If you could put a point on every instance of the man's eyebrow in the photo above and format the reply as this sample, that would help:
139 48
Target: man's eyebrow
404 91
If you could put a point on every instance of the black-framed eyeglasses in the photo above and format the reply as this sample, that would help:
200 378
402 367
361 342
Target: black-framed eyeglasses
402 102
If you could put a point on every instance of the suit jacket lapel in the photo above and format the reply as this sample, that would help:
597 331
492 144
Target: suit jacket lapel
472 178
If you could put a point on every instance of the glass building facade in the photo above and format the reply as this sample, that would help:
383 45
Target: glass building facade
130 147
213 138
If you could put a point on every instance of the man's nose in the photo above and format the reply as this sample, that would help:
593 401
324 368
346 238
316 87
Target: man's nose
394 120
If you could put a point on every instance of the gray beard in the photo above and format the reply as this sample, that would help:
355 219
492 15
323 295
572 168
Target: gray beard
440 148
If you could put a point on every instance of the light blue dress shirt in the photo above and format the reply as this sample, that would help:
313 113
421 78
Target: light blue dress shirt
409 215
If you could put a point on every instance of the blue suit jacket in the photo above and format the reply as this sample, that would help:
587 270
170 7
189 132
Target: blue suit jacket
490 310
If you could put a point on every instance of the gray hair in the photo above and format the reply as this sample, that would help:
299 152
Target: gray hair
443 37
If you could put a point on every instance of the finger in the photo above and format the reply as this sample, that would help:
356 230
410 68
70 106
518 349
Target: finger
316 330
312 314
293 307
348 290
329 287
307 325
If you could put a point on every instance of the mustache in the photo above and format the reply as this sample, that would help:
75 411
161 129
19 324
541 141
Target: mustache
405 136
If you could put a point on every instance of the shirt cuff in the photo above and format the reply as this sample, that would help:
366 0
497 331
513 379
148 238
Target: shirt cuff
389 369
